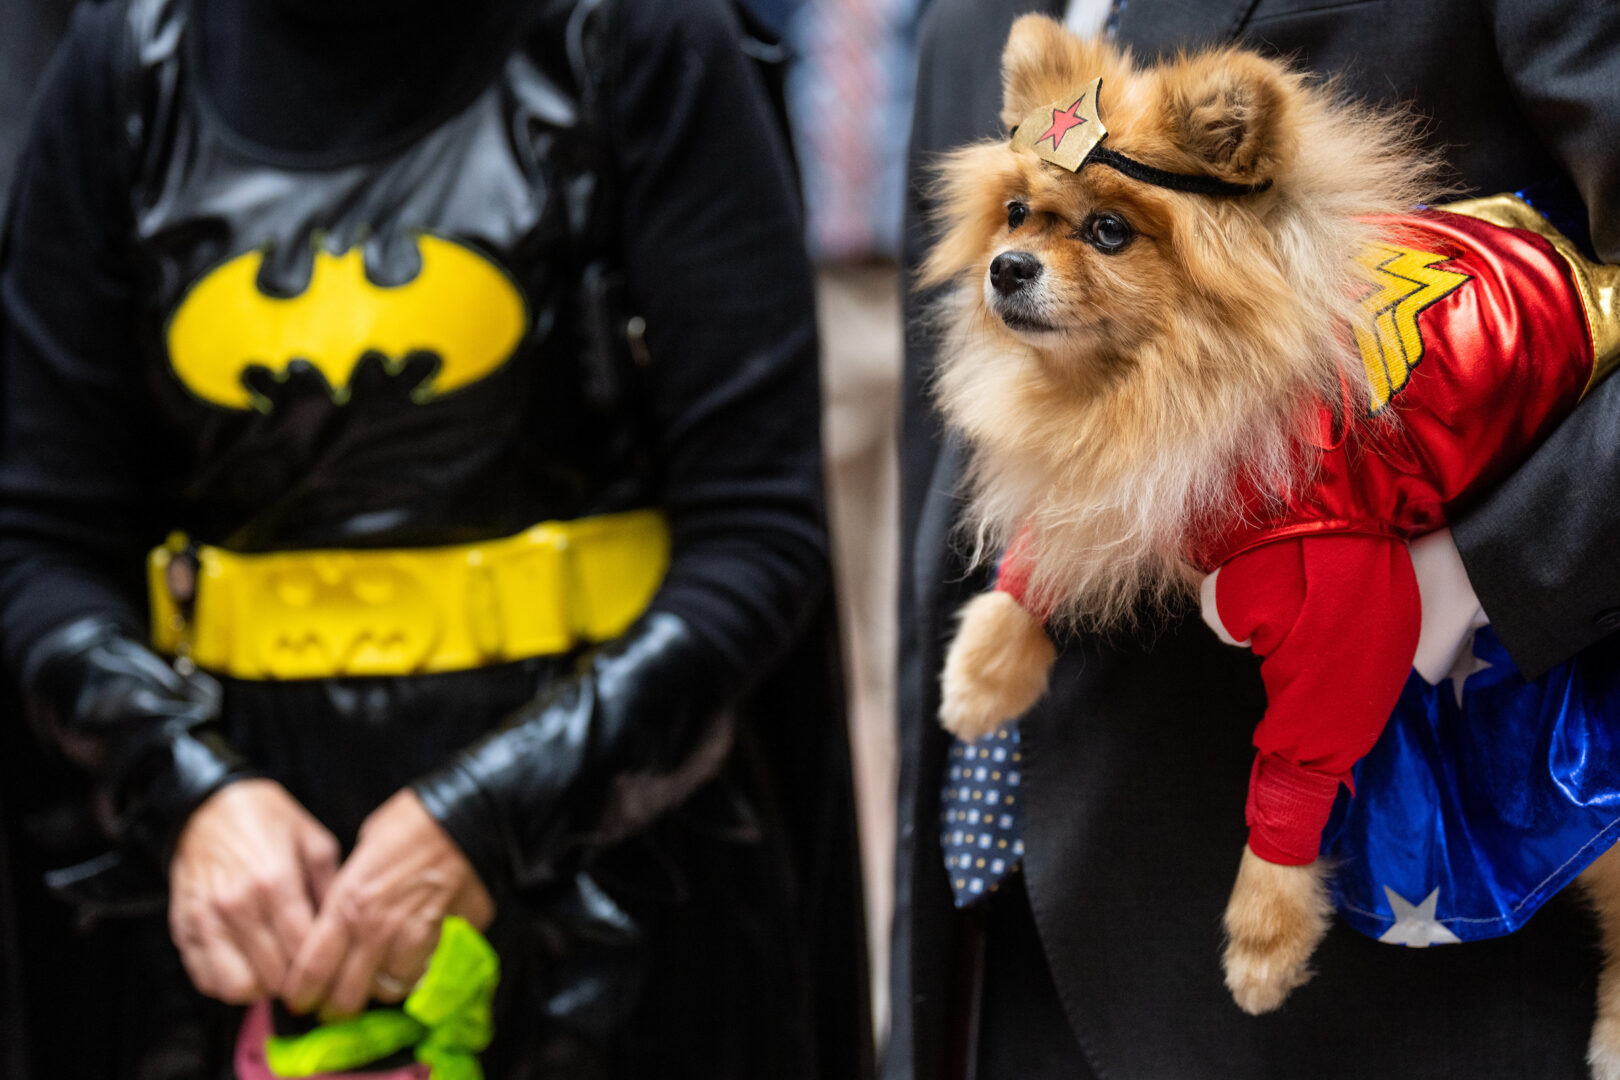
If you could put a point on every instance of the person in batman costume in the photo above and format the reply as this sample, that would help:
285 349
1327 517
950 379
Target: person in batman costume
335 296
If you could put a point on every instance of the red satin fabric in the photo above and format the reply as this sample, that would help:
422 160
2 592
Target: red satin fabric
1336 619
1506 355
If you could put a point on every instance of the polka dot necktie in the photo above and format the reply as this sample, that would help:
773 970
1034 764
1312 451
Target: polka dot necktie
981 815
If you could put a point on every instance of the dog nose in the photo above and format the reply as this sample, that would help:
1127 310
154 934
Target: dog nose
1010 270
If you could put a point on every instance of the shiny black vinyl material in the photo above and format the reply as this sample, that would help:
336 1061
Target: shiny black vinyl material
510 174
588 761
150 734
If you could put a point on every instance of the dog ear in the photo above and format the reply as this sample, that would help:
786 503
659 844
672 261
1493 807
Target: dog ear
1229 111
1041 62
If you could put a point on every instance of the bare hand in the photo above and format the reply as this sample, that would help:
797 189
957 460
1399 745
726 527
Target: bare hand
248 874
379 923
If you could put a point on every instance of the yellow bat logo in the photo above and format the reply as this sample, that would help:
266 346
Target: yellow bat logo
1405 282
375 619
460 307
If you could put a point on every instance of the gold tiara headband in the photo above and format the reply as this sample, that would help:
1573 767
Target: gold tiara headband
1070 135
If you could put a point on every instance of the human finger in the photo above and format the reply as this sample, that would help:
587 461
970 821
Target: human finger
290 917
407 957
251 935
320 853
316 965
474 903
299 895
209 954
356 976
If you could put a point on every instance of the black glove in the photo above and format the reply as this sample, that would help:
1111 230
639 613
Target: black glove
592 760
147 733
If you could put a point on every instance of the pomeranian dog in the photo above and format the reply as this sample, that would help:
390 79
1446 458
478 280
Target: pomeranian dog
1199 345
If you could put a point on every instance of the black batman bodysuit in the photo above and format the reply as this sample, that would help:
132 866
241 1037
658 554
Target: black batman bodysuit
577 161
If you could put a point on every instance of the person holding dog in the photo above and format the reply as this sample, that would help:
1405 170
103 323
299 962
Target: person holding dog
411 517
1096 955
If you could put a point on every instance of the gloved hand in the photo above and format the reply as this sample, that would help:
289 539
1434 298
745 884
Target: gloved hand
146 732
595 758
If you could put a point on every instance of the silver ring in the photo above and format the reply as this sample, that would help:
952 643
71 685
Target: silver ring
388 984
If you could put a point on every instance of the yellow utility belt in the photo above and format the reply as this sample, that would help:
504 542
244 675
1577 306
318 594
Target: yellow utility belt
319 614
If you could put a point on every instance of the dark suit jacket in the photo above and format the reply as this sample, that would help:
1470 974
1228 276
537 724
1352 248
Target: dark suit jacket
1138 759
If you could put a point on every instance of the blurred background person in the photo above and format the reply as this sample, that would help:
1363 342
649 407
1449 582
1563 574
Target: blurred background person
849 93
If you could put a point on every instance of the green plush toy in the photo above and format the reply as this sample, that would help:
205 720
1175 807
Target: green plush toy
447 1019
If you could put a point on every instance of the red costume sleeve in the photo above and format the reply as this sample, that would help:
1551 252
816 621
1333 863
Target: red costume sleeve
1336 619
1012 573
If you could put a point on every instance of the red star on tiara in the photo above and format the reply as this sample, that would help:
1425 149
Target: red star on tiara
1062 121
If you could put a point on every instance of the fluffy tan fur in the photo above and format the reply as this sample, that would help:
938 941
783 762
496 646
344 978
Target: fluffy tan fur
1187 360
998 666
1276 917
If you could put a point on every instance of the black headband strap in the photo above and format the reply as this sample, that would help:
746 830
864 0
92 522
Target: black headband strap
1197 185
1149 174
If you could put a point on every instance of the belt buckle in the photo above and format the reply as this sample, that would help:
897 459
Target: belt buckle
341 613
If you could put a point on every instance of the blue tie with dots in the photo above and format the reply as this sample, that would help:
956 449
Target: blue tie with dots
981 814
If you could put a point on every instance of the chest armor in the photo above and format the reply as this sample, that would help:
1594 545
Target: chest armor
387 351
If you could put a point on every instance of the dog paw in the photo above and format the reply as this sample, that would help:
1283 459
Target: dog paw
1275 919
1261 974
997 666
968 721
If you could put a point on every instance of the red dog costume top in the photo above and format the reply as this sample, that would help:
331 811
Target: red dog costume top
1489 327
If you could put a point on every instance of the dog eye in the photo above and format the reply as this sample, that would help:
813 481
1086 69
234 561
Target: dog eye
1108 233
1016 213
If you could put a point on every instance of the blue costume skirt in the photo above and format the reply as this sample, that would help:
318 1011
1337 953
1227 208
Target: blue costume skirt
1470 813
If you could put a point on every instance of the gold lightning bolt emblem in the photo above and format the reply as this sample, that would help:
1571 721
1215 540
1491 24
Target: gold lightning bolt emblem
1405 282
